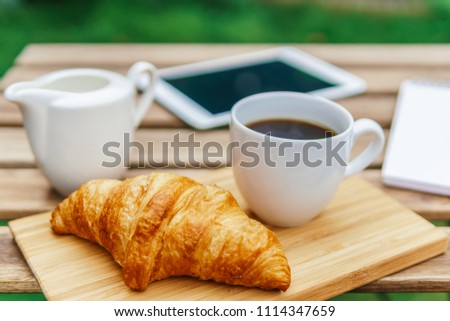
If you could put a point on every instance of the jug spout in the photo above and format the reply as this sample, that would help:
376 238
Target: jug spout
34 104
28 94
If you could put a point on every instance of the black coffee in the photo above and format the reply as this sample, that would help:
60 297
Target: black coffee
291 129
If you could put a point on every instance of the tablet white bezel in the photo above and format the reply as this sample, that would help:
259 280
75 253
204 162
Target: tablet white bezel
197 116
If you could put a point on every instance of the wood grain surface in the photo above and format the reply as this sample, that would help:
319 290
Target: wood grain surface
14 141
430 276
169 54
380 80
24 191
377 107
15 275
362 236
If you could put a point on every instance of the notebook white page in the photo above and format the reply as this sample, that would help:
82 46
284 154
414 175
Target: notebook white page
418 152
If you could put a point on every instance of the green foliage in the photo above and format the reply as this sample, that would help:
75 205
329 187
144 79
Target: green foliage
26 21
22 297
441 223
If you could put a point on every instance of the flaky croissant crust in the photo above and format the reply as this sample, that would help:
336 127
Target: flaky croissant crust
166 225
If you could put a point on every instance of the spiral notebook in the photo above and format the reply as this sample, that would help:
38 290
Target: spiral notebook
418 152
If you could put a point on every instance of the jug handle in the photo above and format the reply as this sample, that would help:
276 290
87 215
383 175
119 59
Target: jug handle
136 73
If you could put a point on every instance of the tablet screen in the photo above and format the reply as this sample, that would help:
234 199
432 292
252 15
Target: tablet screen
218 91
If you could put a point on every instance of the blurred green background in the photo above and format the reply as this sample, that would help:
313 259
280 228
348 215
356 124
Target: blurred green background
275 21
222 21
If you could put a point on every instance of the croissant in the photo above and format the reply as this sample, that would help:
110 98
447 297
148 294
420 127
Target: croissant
166 225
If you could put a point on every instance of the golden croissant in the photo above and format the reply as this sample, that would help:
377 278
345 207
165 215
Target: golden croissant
166 225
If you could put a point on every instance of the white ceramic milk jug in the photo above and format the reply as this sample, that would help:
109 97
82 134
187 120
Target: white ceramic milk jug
71 114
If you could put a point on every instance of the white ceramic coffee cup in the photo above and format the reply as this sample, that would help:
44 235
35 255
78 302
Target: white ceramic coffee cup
301 176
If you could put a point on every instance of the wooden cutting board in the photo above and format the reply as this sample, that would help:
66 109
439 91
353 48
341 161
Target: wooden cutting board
361 236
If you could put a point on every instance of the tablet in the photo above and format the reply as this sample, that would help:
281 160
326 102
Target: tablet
202 94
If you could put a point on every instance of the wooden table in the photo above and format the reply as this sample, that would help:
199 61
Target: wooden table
24 190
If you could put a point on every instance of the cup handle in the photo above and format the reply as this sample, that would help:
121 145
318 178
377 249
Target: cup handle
362 127
135 73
